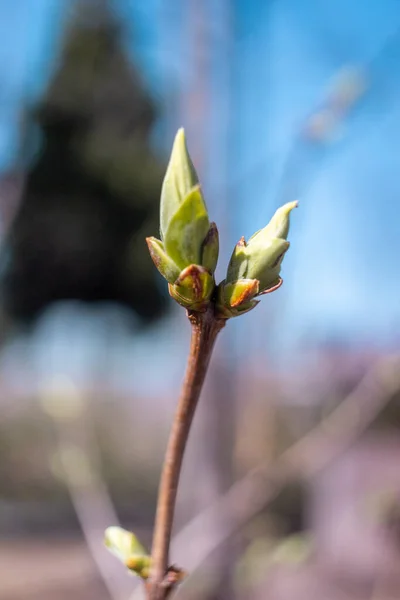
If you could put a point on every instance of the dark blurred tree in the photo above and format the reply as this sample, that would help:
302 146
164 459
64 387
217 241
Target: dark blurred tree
92 190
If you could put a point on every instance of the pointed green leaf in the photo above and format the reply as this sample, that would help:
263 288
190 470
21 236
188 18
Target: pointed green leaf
210 249
187 230
162 261
238 264
179 179
278 227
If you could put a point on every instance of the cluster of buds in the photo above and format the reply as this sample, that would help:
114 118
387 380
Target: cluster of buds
186 256
187 253
255 266
127 548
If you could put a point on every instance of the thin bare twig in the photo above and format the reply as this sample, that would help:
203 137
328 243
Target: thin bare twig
304 459
205 328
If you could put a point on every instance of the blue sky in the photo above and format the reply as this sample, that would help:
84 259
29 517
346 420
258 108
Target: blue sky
341 274
29 31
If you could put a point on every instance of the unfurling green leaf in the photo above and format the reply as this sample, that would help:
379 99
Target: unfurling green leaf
278 227
187 253
210 249
127 548
187 230
237 268
258 260
162 261
179 179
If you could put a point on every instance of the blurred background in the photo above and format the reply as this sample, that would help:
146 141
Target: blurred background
291 482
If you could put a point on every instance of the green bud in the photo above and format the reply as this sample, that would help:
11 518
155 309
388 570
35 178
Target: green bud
163 262
179 179
187 230
238 265
127 548
236 298
187 253
259 260
265 262
278 227
140 565
210 249
193 288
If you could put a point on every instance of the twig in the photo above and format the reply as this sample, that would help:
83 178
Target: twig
205 328
94 510
304 459
77 451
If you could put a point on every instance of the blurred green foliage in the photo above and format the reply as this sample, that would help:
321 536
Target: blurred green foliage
92 190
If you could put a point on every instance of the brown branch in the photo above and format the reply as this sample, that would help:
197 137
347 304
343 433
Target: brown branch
205 328
304 459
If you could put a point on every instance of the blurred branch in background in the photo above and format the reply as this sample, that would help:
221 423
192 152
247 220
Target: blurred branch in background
77 464
303 460
217 412
354 86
